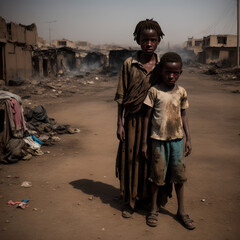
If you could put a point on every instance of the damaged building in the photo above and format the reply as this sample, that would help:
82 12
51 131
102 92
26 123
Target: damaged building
16 47
219 48
194 45
53 61
93 60
63 43
117 57
215 49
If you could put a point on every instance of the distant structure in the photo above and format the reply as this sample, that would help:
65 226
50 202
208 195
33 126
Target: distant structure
17 42
83 45
63 43
214 49
117 57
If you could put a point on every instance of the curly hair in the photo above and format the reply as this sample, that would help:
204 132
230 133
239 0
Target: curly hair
147 24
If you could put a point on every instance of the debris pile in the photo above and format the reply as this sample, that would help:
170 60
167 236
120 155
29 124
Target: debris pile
21 135
56 88
45 128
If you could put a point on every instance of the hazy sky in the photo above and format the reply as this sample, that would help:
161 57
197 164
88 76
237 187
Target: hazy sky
113 21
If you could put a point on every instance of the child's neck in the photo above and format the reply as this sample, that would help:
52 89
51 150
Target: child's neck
167 88
147 58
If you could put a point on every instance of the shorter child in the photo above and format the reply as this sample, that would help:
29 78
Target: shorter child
167 102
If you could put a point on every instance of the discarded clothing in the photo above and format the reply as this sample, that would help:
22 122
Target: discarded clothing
12 152
32 144
18 115
9 95
39 114
23 204
35 139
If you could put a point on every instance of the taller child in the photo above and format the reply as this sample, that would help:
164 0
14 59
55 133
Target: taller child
134 82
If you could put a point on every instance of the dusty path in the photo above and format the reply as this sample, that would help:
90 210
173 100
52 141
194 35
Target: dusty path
75 192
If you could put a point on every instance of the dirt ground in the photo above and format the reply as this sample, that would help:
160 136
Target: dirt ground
75 194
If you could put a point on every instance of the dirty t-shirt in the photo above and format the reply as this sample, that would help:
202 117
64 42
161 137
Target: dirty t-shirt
167 105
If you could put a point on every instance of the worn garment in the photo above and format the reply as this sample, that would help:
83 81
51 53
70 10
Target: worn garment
13 151
18 117
166 125
167 156
6 121
12 122
131 169
167 106
9 95
133 84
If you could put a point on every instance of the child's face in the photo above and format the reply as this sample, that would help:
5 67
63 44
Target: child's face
170 73
149 41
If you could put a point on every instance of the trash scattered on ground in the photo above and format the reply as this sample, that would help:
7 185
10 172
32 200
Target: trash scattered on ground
203 200
26 184
26 133
23 204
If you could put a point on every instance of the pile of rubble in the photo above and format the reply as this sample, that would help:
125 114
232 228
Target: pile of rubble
22 135
57 87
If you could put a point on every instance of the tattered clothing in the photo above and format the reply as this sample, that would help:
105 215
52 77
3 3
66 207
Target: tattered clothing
131 168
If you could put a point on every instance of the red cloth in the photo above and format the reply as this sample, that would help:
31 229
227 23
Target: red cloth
18 115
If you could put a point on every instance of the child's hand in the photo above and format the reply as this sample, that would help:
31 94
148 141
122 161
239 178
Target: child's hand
188 148
144 150
121 133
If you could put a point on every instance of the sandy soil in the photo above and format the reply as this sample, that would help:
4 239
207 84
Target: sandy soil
75 194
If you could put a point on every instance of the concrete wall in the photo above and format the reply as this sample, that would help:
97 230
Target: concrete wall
192 44
11 63
19 62
217 55
21 35
17 42
63 43
3 29
31 35
231 41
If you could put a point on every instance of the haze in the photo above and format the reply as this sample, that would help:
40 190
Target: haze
111 21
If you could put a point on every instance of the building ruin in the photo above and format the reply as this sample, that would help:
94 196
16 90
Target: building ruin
17 42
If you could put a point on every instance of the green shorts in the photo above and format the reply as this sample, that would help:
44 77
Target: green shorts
167 163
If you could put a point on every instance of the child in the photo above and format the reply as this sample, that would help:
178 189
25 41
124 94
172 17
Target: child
167 102
132 89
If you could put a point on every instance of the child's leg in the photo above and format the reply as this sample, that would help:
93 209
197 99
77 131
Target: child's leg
182 217
154 193
157 177
179 188
178 177
152 216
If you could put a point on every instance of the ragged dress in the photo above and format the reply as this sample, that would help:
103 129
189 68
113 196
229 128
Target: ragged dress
131 168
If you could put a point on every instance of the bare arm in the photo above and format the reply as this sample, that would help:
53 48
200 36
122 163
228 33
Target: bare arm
188 145
120 128
147 116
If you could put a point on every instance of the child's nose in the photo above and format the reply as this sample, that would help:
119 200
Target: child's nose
171 75
149 43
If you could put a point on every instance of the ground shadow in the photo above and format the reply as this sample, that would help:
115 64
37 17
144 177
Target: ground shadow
107 193
166 212
111 195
